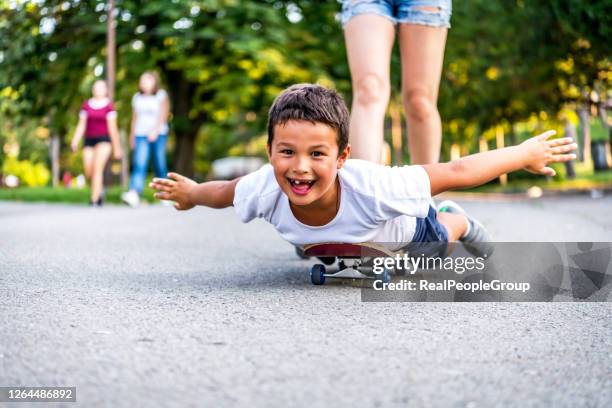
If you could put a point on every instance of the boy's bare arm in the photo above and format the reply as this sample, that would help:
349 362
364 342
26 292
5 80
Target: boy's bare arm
533 155
186 193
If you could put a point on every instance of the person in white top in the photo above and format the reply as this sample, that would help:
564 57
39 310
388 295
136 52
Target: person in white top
148 135
375 204
311 193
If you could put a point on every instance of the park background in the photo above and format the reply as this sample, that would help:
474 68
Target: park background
511 69
149 308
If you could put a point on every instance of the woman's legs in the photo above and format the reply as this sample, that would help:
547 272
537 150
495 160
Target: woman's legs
369 40
88 159
102 152
159 156
140 163
422 53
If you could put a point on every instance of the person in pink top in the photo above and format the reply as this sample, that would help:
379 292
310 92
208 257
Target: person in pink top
98 123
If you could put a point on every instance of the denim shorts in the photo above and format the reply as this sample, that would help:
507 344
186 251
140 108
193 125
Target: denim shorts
430 236
401 11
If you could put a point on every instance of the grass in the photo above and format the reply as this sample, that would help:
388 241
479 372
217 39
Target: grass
585 180
64 195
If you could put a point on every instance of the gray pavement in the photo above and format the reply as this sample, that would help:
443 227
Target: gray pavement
154 308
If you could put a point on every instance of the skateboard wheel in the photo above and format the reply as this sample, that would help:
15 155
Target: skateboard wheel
317 274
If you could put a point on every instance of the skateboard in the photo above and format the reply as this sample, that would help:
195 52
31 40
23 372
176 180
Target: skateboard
354 261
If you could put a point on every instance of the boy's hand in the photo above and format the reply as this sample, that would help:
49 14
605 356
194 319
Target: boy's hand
176 188
540 152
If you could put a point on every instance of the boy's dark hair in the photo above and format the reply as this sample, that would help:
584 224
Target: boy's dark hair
313 103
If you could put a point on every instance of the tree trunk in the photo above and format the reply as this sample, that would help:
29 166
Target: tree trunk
125 160
501 143
602 111
513 136
54 149
110 49
186 129
584 139
570 131
183 153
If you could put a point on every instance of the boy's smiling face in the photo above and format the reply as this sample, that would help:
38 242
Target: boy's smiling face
305 159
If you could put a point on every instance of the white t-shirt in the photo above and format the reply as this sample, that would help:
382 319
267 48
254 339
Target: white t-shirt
148 109
377 204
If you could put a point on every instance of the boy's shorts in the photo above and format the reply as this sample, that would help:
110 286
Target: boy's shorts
401 11
430 237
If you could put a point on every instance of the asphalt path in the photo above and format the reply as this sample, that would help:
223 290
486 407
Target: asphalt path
155 308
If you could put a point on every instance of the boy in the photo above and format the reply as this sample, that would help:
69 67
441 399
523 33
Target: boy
311 193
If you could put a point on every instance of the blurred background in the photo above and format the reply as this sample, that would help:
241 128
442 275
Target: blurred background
511 69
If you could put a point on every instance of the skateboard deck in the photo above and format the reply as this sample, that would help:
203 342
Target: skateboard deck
340 249
353 260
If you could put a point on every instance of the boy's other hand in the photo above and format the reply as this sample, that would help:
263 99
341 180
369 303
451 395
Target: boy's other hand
540 152
175 188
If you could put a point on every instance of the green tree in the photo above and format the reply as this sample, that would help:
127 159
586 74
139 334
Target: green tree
223 62
508 60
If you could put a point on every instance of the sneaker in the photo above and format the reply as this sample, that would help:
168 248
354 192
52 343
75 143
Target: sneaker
95 204
131 198
477 240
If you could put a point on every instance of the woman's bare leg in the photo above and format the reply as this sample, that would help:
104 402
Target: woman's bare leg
102 153
422 52
88 159
369 40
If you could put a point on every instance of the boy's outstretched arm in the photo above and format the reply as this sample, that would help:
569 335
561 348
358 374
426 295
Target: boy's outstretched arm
533 155
186 193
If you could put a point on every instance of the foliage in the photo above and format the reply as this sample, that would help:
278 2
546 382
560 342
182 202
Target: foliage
223 62
507 61
28 173
598 132
67 195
